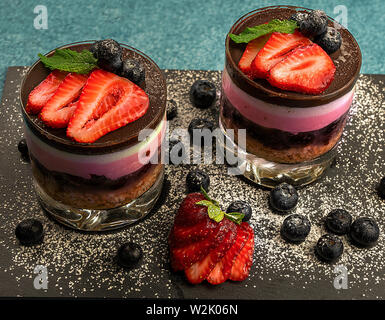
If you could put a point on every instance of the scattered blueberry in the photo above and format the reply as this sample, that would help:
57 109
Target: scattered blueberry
197 178
312 23
295 228
23 149
109 54
338 221
283 197
176 151
201 127
330 40
172 109
381 188
133 71
129 255
329 248
241 207
364 232
29 232
202 94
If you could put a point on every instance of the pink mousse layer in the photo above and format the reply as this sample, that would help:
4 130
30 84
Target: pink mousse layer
112 165
288 119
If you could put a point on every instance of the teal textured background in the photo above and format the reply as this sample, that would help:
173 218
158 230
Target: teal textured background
177 34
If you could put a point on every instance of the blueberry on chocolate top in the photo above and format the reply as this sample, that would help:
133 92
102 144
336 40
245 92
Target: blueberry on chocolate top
329 248
202 93
133 71
330 40
364 232
295 228
381 188
338 221
312 23
129 255
196 179
172 109
200 127
109 54
283 197
29 232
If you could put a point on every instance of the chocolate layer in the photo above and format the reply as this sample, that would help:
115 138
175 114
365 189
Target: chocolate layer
347 61
154 86
277 139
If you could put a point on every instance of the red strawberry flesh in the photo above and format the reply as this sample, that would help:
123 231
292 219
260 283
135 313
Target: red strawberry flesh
275 50
241 266
307 70
201 269
93 119
222 269
251 51
40 95
59 108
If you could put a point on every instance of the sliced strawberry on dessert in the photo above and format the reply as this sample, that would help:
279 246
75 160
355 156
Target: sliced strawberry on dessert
242 264
222 269
201 269
59 109
251 51
92 118
307 69
39 96
275 50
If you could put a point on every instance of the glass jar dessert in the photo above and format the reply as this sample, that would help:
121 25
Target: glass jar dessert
111 182
291 136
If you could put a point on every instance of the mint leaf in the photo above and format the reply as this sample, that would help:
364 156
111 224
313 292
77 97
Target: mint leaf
215 213
215 202
205 203
71 61
234 216
275 25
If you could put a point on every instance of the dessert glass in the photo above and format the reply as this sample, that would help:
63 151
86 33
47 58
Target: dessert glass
106 184
290 137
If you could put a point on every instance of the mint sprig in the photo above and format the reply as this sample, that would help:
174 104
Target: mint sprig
70 61
214 211
275 25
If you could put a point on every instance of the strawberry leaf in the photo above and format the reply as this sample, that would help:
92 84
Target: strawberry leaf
275 25
70 61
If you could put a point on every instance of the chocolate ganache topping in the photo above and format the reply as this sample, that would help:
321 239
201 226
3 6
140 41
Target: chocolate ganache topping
347 61
154 86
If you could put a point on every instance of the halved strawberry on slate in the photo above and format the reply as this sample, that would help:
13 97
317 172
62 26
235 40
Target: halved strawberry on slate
223 242
40 95
251 51
59 109
275 50
242 264
93 119
307 70
222 269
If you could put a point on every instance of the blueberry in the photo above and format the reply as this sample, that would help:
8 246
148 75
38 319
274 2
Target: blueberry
330 40
311 24
172 109
295 228
283 197
23 149
381 188
129 255
241 207
29 232
133 71
338 221
109 54
202 94
201 127
364 232
197 178
329 248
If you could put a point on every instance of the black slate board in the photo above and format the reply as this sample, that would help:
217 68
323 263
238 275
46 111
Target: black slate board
82 264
